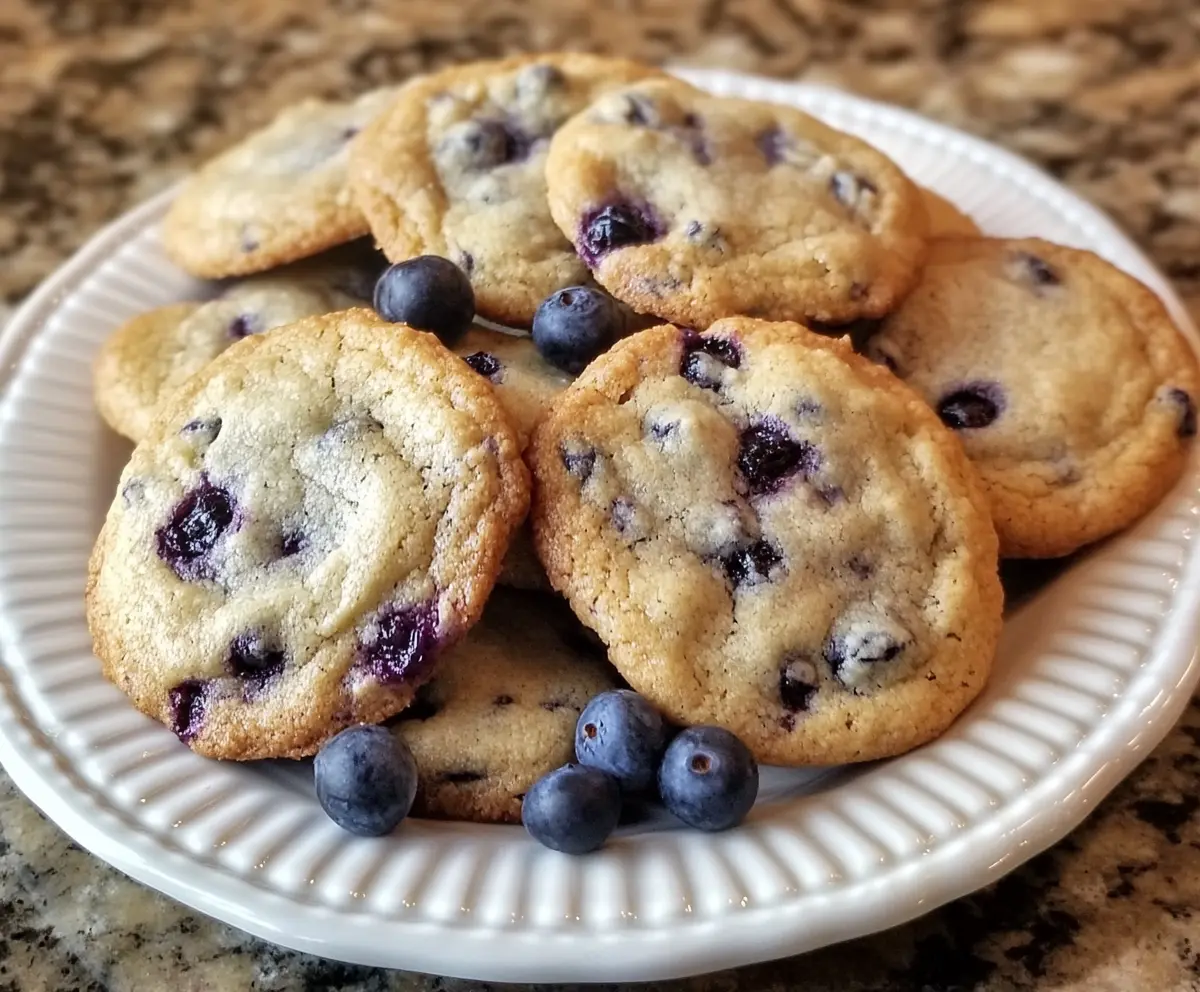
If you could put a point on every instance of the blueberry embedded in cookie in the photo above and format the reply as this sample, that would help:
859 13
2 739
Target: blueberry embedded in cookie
501 710
146 359
275 571
278 196
456 168
695 207
1064 378
725 511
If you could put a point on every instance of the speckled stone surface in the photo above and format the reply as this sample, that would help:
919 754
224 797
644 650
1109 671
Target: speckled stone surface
104 103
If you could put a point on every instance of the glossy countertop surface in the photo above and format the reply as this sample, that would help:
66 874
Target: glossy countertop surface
103 104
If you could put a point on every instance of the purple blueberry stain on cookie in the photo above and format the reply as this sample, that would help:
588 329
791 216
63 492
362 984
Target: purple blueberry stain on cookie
291 543
486 364
639 111
798 683
1036 271
1187 411
660 429
768 456
466 262
627 518
972 406
254 659
616 225
201 431
399 645
705 359
485 143
579 463
197 523
243 325
772 143
750 564
858 648
188 704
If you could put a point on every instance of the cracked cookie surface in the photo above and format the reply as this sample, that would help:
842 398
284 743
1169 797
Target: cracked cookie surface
771 534
696 207
1068 384
270 572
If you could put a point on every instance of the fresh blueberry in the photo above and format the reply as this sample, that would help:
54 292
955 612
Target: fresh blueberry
197 523
400 644
971 407
614 226
366 779
429 293
622 734
573 809
708 778
769 455
574 325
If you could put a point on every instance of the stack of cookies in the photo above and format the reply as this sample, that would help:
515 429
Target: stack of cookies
781 413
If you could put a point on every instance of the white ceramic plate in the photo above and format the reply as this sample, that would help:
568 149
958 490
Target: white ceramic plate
1092 673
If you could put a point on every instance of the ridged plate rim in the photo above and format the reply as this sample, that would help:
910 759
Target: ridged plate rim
1159 569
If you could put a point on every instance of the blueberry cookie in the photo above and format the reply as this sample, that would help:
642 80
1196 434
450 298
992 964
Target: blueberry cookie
501 711
456 168
773 535
1065 379
149 357
312 519
695 207
946 220
526 385
278 196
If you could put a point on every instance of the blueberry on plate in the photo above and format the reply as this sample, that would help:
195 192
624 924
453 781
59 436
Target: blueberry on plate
574 325
620 733
573 809
708 778
366 780
429 293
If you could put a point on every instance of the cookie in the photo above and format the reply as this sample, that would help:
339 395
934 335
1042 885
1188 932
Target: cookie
312 520
695 207
1065 379
501 711
945 219
456 168
525 383
773 535
149 357
278 196
130 368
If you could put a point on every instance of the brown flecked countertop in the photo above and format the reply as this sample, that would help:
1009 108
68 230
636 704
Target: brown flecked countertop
104 103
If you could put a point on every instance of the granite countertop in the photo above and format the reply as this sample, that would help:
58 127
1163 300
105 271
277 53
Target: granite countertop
103 104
